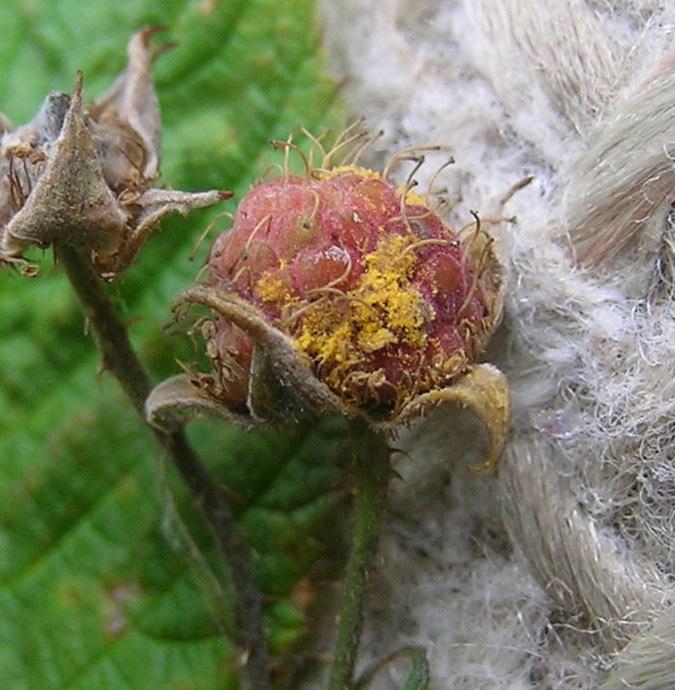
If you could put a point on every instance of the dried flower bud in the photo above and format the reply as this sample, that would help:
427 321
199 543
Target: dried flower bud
83 177
337 290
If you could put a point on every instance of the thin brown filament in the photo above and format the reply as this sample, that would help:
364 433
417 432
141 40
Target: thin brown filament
187 369
399 218
200 272
181 310
477 271
515 188
207 232
395 160
320 173
15 190
349 298
347 132
469 296
482 259
410 183
335 281
265 219
287 146
353 158
29 182
327 161
299 312
407 154
409 180
482 263
316 144
240 272
488 220
243 254
434 177
439 205
144 159
287 154
426 243
477 219
317 203
269 169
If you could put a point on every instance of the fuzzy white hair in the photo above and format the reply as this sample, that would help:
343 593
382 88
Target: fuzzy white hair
559 572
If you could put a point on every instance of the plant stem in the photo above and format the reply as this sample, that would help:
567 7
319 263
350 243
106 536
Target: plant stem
371 477
121 359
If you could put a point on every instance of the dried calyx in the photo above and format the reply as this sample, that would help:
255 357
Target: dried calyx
82 176
336 290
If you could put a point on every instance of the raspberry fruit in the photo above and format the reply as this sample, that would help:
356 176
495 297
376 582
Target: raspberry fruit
384 299
337 291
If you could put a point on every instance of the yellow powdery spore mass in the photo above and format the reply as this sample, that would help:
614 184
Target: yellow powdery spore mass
385 286
411 197
271 289
383 309
363 173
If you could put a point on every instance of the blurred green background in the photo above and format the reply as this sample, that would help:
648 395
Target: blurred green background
92 594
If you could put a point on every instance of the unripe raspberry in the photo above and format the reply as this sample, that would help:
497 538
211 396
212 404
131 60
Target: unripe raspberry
338 292
383 300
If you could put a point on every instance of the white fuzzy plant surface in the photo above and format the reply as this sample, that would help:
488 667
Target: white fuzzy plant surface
560 571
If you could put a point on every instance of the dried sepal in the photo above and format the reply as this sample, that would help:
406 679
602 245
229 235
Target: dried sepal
147 212
485 391
181 396
282 387
82 176
71 202
132 102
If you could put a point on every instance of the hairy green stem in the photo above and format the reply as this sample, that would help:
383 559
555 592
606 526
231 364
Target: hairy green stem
371 476
218 593
120 358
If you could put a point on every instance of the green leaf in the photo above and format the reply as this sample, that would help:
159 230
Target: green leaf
92 595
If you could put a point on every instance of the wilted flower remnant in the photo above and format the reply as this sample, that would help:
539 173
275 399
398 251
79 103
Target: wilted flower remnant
336 290
81 176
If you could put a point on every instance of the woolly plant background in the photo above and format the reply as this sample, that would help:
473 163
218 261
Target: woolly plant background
91 593
552 574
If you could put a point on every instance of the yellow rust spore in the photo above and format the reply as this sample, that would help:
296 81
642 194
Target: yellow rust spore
272 289
345 170
411 197
383 309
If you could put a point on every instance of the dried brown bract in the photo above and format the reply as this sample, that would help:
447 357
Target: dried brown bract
82 176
